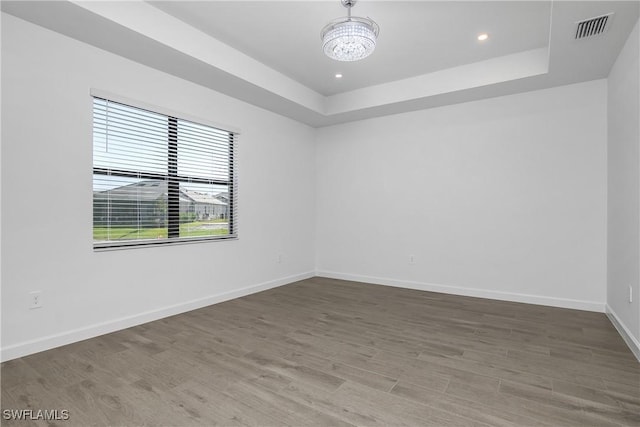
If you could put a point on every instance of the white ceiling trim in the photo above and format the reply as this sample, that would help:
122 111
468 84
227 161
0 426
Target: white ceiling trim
155 24
484 73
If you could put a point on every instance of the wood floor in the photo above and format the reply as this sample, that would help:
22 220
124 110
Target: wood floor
325 352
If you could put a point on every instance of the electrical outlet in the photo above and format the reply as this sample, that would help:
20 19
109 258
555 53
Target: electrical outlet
412 259
630 294
35 299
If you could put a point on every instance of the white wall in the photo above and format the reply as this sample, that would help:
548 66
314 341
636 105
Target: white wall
623 213
503 198
47 198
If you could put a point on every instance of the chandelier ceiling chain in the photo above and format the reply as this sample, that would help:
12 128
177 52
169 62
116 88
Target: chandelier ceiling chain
350 38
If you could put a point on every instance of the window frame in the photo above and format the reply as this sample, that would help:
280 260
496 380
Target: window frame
173 179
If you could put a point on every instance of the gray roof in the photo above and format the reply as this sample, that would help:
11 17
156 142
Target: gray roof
224 196
150 190
204 198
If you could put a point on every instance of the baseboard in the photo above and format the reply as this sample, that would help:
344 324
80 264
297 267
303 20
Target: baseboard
632 342
46 343
470 292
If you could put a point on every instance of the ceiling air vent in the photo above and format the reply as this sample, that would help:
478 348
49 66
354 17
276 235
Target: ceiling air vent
593 26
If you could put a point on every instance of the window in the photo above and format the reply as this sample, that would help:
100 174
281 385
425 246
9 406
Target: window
159 179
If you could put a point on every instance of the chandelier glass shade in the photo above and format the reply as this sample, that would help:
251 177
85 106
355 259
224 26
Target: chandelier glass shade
349 38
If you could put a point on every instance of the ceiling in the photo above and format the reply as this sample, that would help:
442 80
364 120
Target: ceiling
416 37
268 52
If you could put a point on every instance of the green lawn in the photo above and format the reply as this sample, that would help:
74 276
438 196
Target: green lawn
191 229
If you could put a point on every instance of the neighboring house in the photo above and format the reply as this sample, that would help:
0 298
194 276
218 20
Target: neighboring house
120 206
207 206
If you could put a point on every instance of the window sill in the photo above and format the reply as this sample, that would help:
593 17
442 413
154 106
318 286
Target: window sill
113 246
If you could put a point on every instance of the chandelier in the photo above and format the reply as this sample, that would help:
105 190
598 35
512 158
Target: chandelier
351 38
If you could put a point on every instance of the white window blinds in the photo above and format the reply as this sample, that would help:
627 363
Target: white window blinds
159 179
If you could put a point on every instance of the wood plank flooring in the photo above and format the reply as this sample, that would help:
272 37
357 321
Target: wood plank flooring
325 352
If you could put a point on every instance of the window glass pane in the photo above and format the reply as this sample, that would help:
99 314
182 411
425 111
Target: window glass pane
128 209
203 152
129 138
204 210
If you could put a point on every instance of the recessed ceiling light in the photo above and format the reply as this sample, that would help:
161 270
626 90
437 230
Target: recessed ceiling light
482 37
338 76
